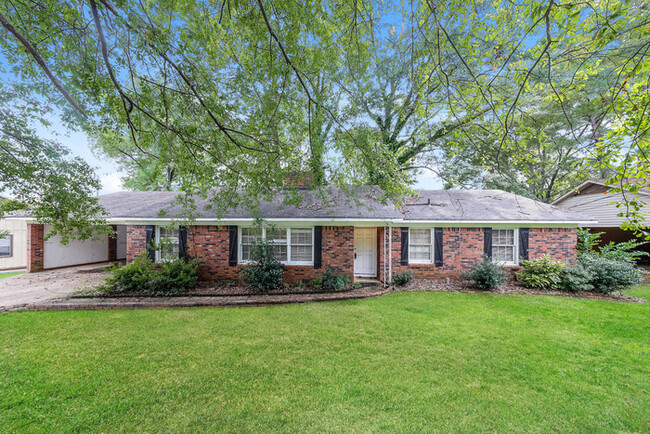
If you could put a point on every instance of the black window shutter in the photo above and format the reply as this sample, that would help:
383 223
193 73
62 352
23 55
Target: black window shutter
405 247
182 242
523 243
232 251
437 246
318 246
487 242
149 241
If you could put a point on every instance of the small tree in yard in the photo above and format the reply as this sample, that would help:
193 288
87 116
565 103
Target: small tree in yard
265 272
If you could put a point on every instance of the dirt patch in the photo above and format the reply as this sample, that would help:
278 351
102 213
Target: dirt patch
510 287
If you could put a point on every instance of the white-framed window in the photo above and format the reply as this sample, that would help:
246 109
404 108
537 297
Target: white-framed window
167 248
504 246
420 246
293 246
247 237
6 246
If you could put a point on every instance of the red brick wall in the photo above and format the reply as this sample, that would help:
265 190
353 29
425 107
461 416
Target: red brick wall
35 249
559 243
136 241
463 247
211 245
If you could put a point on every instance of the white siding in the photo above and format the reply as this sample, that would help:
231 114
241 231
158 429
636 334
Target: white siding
600 207
18 230
75 253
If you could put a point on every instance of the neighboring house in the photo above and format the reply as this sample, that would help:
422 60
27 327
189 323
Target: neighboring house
13 246
437 233
594 200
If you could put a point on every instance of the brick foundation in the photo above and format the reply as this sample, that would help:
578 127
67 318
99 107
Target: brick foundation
35 247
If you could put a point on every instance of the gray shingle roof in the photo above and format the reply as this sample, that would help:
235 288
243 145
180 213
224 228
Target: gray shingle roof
482 205
333 202
356 203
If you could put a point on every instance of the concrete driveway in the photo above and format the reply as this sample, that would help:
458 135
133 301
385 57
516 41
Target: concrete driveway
28 288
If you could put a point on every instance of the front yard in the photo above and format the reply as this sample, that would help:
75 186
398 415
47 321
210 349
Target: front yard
409 361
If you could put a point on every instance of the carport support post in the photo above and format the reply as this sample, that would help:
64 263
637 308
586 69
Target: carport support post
112 245
35 249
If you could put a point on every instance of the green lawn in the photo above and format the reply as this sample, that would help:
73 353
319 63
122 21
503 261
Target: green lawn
9 274
403 362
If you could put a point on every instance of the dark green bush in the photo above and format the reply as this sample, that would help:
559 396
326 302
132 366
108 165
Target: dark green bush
144 277
403 278
608 275
626 251
175 277
487 275
576 278
265 272
543 273
333 281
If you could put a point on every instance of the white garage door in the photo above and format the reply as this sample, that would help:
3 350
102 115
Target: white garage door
75 253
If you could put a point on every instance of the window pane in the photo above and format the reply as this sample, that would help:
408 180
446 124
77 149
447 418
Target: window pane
301 253
420 236
168 243
5 246
420 253
280 252
248 236
301 244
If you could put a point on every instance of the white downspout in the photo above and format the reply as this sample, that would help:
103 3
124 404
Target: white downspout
390 254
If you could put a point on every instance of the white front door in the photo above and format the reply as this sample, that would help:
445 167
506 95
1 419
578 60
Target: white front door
365 252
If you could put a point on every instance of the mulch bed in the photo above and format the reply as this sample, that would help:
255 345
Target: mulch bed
510 287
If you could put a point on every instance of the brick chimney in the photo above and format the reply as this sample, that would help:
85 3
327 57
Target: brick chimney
299 179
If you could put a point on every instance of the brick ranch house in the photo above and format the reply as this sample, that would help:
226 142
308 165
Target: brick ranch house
437 233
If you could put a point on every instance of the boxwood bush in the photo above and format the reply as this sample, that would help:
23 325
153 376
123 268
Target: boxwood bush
576 278
543 273
609 275
403 278
487 275
146 278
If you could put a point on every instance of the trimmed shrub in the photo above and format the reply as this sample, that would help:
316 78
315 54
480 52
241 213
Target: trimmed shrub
403 278
175 277
576 278
607 275
144 277
265 272
332 282
487 275
543 273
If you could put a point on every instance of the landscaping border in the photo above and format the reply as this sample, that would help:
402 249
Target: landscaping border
96 303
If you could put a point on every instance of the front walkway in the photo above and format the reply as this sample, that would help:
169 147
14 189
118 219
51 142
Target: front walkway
77 303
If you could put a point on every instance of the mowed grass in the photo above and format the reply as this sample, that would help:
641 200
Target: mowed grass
403 362
9 274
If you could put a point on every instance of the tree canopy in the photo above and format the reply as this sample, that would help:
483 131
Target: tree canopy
237 95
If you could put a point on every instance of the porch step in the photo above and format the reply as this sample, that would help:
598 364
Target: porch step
367 283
